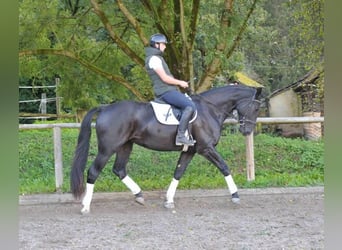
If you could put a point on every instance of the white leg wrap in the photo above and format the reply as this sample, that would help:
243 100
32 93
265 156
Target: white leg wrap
231 184
87 198
131 185
171 190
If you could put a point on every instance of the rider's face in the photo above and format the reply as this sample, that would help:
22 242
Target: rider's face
162 46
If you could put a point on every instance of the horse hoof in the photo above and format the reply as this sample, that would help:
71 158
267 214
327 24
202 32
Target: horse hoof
140 200
236 200
169 205
85 211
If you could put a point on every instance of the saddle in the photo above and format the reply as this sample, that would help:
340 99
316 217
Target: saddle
167 114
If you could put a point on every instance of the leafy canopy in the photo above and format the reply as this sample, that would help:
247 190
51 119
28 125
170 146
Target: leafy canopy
96 47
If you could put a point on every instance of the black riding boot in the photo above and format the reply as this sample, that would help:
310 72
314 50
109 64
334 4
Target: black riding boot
181 139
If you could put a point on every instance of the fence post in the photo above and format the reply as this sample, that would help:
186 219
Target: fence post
250 157
58 101
42 105
58 157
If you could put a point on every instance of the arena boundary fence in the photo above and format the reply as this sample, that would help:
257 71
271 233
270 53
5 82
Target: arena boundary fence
250 166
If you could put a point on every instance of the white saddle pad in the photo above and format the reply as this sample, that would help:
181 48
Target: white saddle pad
164 114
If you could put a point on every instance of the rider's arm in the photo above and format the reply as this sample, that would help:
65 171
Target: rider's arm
156 65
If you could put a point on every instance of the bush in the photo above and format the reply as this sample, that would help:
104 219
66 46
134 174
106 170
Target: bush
279 162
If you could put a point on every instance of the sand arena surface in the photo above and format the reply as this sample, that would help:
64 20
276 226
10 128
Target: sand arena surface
285 218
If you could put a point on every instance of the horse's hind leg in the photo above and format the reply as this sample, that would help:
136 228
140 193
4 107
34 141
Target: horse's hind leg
119 168
93 172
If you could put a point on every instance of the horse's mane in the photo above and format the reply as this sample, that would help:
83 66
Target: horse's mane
229 86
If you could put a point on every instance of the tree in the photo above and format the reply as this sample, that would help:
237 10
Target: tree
284 41
97 48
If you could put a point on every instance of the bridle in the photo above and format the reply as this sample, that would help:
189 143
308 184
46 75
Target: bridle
243 120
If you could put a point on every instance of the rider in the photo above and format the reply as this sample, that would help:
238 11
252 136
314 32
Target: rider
165 86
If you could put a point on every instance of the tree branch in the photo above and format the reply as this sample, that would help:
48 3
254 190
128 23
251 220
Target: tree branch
187 48
155 15
68 54
172 52
133 22
242 29
164 11
193 21
214 67
182 27
130 53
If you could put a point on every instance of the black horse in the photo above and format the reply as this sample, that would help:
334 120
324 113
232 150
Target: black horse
121 124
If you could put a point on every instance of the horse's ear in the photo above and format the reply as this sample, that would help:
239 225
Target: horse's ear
257 94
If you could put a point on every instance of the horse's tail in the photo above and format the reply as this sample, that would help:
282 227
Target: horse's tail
81 155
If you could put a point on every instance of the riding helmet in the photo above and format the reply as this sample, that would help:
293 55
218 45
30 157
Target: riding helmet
157 38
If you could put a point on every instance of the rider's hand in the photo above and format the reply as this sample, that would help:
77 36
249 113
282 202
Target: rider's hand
183 84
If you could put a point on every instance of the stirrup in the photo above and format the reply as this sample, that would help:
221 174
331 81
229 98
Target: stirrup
188 142
185 141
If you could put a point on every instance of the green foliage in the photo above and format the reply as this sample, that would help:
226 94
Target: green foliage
284 41
300 155
75 29
58 25
36 171
279 162
309 18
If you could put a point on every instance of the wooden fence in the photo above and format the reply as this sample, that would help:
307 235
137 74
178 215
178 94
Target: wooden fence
249 140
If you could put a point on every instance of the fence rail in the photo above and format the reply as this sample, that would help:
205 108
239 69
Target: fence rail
249 140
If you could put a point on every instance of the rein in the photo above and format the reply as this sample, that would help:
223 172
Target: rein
243 120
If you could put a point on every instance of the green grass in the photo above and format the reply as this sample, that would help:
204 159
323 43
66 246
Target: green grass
279 162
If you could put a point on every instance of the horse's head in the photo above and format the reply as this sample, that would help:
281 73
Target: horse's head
248 110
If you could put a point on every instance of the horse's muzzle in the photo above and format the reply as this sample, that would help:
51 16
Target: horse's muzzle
245 131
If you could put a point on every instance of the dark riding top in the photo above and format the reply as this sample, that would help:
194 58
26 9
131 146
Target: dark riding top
159 86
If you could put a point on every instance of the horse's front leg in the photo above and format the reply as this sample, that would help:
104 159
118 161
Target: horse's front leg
213 156
182 164
135 189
